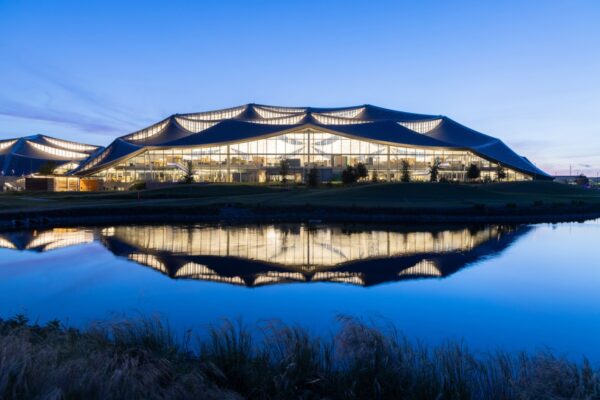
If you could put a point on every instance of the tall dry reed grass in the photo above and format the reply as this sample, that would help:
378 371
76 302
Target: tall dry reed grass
143 359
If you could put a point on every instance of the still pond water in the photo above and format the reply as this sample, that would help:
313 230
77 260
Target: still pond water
494 286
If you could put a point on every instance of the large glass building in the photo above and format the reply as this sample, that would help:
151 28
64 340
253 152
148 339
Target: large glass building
42 155
250 143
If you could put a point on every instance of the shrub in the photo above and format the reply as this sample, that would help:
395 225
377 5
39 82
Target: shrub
434 170
473 172
582 180
361 171
138 186
500 172
405 171
349 175
188 173
284 169
374 177
313 177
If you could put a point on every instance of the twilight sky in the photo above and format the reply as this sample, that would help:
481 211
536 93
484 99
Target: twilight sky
527 72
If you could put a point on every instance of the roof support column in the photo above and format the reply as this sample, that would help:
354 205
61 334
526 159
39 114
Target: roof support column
228 179
388 164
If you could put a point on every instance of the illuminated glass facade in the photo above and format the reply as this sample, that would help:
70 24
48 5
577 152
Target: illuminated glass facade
249 144
259 161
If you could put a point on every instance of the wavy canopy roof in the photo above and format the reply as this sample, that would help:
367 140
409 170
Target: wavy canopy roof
364 121
26 155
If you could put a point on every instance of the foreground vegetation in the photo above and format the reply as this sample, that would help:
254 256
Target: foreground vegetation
142 359
517 198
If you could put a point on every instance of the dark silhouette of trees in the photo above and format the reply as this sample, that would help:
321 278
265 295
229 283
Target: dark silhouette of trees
582 180
361 171
349 175
374 177
473 172
284 169
405 171
188 173
500 172
434 170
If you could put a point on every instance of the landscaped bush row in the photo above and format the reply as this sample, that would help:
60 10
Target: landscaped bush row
143 359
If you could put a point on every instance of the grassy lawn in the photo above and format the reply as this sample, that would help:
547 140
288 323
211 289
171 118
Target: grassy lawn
390 196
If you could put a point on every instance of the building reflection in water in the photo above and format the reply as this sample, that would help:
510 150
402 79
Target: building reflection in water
260 255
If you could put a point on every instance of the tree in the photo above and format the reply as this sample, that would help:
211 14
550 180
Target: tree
434 170
582 180
361 171
348 175
313 177
500 172
284 169
188 172
473 172
47 168
374 177
405 171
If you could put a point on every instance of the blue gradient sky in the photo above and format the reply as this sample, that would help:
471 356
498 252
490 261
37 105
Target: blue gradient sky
527 72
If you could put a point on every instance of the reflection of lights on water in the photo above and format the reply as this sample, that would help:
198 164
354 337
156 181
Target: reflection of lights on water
302 254
422 268
59 238
301 248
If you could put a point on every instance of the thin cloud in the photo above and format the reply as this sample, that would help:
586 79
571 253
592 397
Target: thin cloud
83 122
94 101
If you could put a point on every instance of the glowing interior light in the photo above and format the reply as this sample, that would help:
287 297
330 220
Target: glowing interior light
63 169
422 126
195 125
334 120
6 244
339 276
275 277
192 268
351 113
97 160
58 152
59 238
71 145
422 268
267 113
4 145
281 120
283 109
326 249
217 115
149 260
148 132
